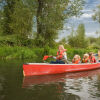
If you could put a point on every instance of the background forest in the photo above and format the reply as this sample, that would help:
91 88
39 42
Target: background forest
29 28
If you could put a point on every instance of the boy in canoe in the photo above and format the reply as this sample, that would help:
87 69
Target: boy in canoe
61 57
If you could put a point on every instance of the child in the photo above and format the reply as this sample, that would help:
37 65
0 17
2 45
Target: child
61 55
85 58
98 55
92 58
76 59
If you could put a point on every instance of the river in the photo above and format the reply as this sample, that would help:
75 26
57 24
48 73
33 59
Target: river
67 86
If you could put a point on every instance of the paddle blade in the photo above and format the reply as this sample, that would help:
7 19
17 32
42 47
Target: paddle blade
45 57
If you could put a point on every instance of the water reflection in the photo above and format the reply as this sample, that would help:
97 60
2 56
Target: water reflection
48 79
71 86
2 95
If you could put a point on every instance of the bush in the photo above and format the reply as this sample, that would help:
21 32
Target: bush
94 46
16 52
15 40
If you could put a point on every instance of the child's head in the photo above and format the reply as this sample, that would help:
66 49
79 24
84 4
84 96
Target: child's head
86 56
61 47
76 57
91 54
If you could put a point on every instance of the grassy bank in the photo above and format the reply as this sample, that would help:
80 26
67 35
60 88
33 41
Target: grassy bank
16 52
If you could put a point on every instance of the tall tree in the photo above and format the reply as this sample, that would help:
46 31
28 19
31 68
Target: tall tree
96 17
22 19
81 36
1 21
50 18
8 11
18 17
78 39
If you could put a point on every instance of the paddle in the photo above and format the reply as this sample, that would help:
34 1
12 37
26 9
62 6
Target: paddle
46 57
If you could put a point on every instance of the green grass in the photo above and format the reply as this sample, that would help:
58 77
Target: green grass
16 52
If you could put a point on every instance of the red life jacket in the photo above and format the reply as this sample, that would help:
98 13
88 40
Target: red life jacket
92 59
85 60
76 62
60 54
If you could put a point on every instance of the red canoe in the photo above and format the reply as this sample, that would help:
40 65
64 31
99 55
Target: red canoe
44 68
29 81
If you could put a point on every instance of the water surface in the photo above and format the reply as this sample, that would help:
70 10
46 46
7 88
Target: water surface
72 86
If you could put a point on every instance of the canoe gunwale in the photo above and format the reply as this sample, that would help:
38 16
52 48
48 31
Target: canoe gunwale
58 64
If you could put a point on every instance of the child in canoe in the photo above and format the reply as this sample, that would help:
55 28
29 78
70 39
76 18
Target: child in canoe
61 57
76 59
98 55
92 58
85 58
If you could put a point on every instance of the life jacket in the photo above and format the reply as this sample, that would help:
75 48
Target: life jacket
85 60
60 54
92 59
76 62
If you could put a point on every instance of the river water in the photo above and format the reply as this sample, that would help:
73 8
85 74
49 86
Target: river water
67 86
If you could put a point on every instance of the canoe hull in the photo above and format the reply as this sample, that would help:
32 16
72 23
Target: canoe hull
44 69
29 81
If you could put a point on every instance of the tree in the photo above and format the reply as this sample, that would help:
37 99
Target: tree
81 36
96 17
1 21
18 17
8 11
72 38
50 18
78 39
22 22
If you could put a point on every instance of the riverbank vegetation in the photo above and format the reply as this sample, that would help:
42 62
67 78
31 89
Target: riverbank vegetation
29 29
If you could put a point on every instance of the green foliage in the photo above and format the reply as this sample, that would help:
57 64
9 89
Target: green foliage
16 52
1 22
74 8
18 17
96 16
94 43
72 51
7 20
92 40
94 46
50 19
22 21
14 40
77 39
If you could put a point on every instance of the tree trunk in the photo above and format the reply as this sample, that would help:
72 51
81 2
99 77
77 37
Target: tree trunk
39 17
